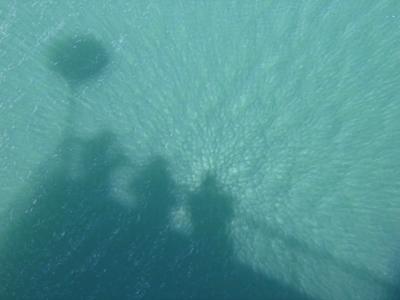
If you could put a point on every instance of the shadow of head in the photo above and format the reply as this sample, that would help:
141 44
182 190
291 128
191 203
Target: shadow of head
211 210
153 188
78 58
102 152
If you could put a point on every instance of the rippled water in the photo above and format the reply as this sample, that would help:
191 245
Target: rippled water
199 149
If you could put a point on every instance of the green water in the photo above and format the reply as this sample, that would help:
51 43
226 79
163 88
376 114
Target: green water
205 149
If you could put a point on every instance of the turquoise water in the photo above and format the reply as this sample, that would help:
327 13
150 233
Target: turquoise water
199 149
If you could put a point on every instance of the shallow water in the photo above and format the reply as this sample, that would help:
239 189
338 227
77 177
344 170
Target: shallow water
204 149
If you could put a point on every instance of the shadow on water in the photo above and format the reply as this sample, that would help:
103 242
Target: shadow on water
78 58
216 273
71 239
65 219
395 294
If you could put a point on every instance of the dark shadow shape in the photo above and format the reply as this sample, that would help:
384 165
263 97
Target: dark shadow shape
216 273
153 188
78 58
53 241
142 254
395 293
74 241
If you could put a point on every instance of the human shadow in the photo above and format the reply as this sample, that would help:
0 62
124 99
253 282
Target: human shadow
168 265
216 272
57 232
145 256
72 239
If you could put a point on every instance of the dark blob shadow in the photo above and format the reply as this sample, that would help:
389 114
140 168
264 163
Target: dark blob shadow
78 58
71 239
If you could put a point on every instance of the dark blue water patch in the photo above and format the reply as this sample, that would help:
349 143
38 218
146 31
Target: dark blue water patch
78 58
72 240
395 294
